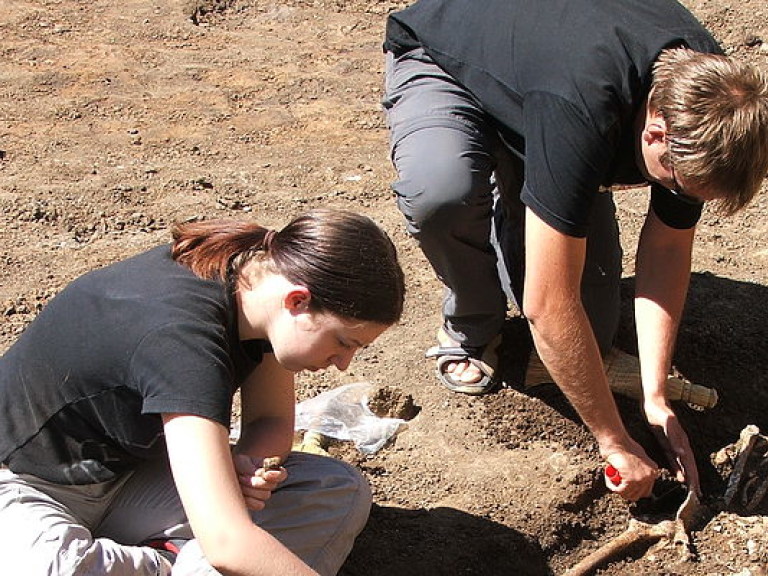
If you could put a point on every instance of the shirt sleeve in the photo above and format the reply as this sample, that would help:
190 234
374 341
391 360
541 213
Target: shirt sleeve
185 367
566 159
673 211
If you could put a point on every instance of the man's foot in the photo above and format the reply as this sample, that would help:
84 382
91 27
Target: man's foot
466 369
462 370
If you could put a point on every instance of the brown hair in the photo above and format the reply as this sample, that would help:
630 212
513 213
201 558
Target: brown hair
347 262
716 111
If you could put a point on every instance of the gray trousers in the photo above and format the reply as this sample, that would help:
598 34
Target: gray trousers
459 188
54 530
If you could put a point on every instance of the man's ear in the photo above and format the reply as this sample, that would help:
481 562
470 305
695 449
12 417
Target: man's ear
297 299
655 129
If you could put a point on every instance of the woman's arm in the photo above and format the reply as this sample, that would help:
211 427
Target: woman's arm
205 477
267 416
268 411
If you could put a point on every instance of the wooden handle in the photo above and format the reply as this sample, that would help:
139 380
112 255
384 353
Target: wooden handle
623 372
691 393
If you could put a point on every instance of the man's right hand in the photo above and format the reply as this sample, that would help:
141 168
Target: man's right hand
637 472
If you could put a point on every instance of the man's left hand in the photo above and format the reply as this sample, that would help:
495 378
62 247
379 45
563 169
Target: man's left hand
673 439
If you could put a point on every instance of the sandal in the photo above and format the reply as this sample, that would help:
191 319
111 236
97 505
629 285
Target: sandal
484 357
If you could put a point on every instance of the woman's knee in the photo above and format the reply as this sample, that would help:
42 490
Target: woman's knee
337 483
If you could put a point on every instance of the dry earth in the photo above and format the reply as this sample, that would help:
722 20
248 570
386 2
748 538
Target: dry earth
117 119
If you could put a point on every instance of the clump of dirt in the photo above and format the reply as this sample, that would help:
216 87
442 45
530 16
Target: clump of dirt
391 402
198 11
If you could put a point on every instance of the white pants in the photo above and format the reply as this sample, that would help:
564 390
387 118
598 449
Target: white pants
53 530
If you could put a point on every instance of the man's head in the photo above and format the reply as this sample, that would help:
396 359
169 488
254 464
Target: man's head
715 112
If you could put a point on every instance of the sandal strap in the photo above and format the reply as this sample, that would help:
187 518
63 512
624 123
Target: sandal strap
460 351
485 384
484 358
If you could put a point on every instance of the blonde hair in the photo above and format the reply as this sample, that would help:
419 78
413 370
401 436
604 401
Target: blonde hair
716 112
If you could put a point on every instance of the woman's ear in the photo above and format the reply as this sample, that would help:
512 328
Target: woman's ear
297 299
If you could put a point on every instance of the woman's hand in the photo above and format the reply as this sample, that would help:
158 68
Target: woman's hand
256 482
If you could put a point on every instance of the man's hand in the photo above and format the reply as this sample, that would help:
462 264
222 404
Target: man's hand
662 274
257 481
673 439
636 471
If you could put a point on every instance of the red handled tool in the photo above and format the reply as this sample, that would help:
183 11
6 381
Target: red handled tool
666 496
613 475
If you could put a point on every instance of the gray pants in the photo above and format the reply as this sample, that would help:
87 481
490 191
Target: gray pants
459 189
48 529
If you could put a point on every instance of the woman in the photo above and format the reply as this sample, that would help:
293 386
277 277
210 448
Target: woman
116 404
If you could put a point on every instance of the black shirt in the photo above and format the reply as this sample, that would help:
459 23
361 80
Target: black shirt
564 81
82 389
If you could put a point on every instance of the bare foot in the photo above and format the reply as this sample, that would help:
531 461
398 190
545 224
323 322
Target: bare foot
462 371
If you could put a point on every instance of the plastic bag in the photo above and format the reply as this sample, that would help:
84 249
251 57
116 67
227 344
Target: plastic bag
343 413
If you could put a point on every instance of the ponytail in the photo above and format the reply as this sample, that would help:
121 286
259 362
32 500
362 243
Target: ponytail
209 248
346 261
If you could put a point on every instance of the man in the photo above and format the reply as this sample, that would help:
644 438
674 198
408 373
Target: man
510 122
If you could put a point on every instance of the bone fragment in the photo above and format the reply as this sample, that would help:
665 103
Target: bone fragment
272 463
748 480
687 518
637 533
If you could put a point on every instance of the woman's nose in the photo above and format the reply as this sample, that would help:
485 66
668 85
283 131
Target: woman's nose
342 361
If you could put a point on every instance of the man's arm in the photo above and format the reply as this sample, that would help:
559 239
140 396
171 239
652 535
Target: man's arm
662 270
567 346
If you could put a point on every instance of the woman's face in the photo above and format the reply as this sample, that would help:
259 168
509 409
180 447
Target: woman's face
315 340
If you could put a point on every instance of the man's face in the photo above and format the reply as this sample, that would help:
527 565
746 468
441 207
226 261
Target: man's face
653 149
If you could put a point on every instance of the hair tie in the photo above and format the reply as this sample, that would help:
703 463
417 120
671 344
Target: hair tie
269 237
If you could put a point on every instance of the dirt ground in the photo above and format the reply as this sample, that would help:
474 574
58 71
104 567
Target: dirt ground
117 119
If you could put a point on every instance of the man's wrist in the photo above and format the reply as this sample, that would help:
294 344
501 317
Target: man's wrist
613 443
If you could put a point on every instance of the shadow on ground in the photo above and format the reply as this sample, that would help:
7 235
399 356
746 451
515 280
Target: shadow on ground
722 344
441 541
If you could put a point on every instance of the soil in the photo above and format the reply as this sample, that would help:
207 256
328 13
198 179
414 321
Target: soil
118 119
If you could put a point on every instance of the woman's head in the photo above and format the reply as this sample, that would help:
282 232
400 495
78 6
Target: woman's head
716 114
347 263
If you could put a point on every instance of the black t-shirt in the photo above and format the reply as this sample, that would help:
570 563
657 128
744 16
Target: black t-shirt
564 81
82 389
